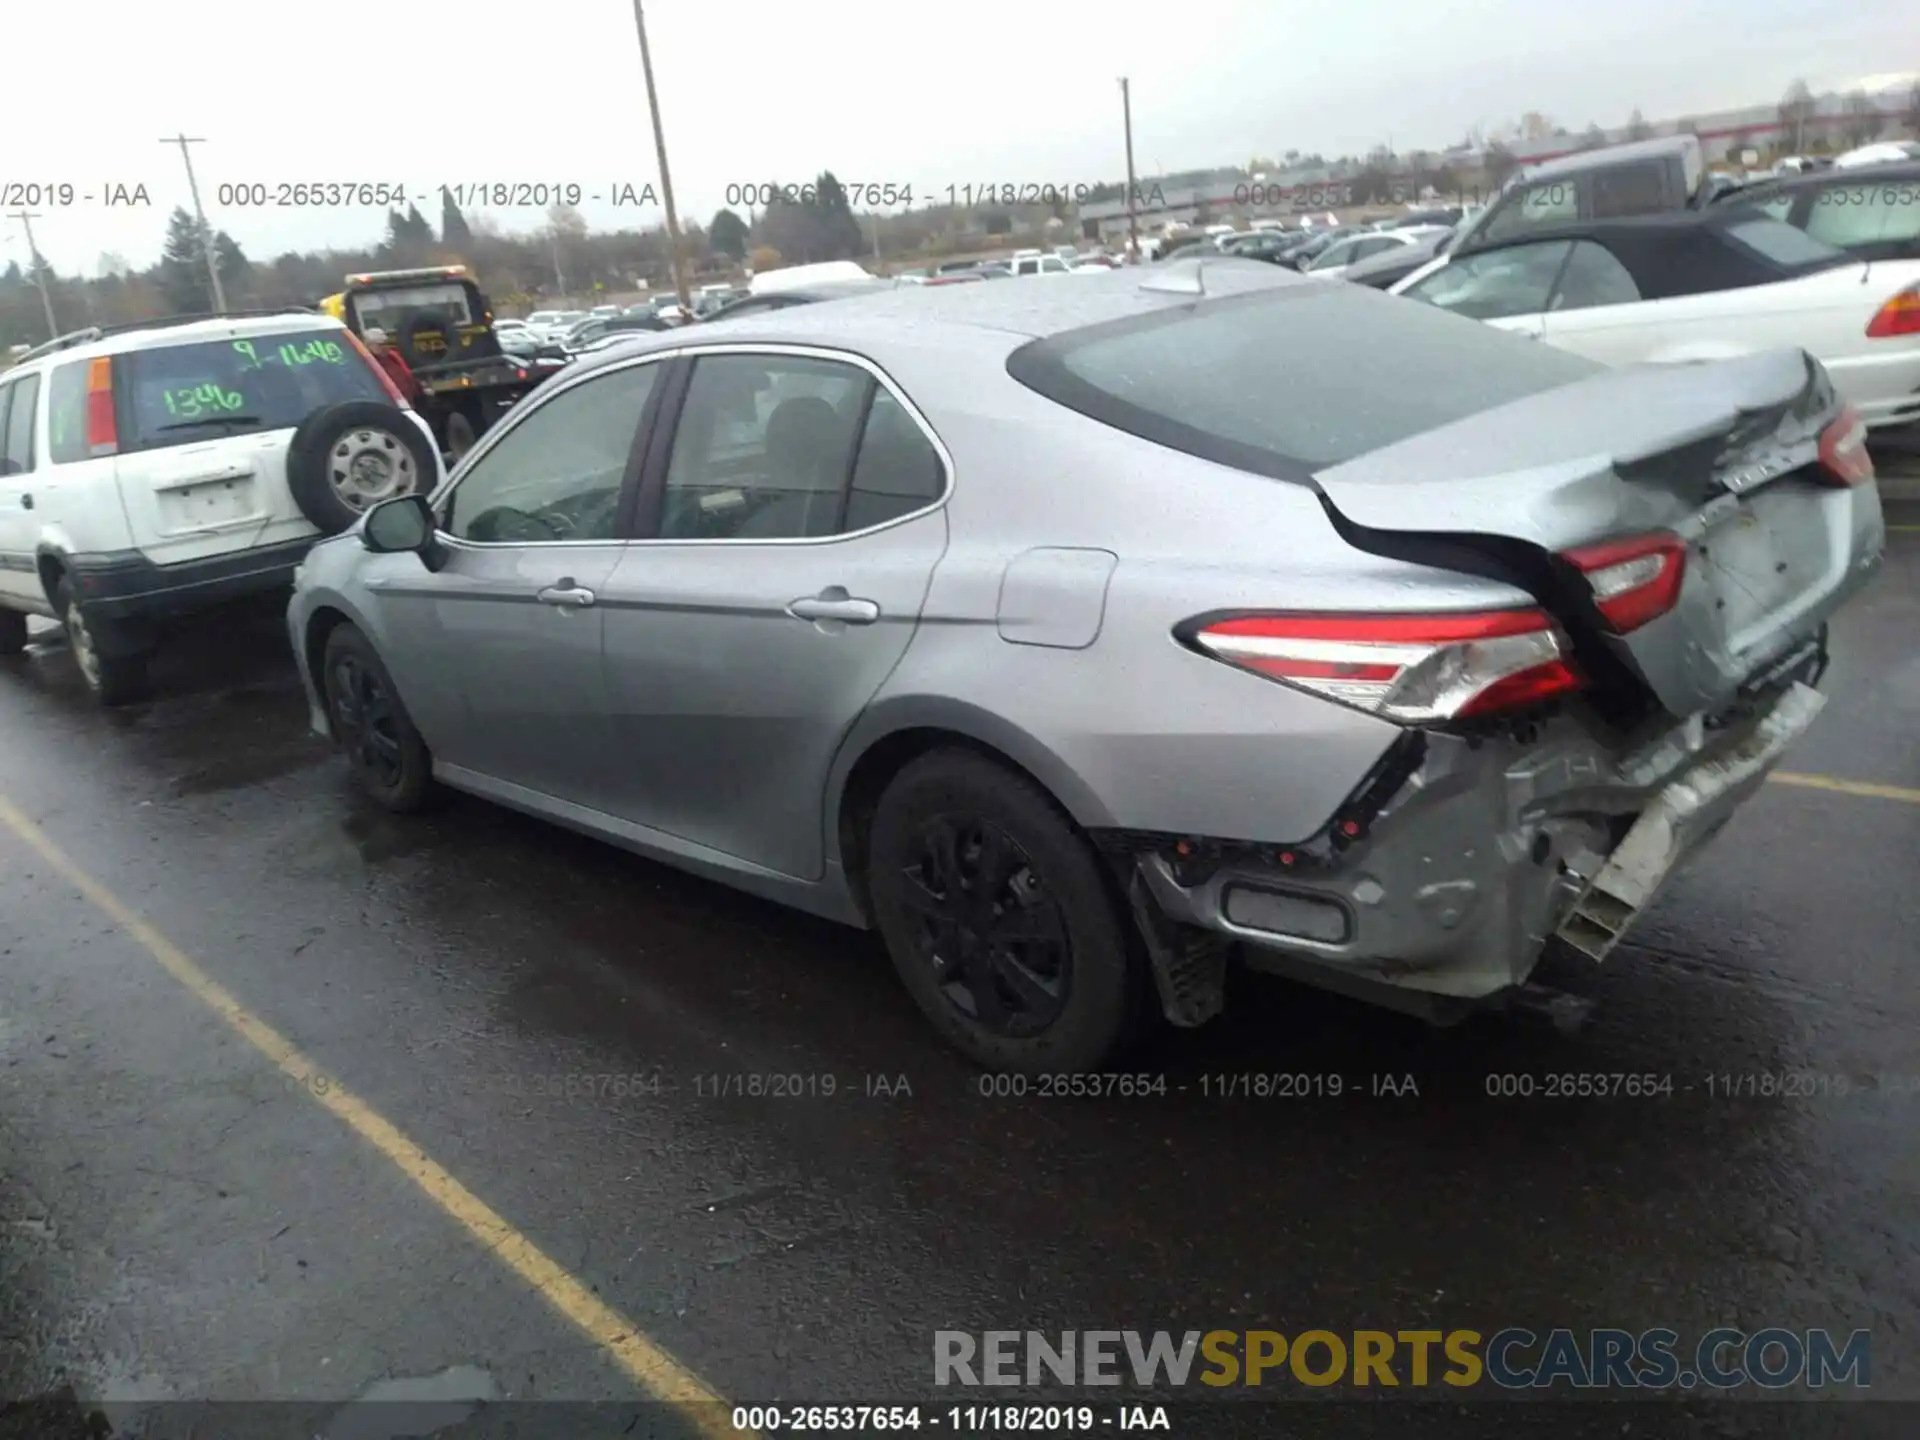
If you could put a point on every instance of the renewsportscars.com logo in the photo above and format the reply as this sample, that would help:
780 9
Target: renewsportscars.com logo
1511 1359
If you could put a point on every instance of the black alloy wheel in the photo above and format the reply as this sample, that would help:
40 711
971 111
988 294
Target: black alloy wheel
385 754
992 935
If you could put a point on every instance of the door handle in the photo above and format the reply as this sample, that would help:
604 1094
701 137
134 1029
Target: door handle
26 502
834 605
566 594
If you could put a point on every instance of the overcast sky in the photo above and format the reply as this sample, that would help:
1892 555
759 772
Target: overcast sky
988 91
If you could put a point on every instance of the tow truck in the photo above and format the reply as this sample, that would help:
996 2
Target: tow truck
442 326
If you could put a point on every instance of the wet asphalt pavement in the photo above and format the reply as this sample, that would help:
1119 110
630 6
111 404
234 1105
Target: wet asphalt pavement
178 1220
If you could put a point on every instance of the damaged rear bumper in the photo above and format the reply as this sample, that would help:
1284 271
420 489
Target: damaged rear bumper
1485 849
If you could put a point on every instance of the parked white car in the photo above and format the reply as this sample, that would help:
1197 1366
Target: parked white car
1332 262
1700 286
151 471
1887 152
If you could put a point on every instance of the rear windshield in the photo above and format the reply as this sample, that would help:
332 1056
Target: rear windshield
1291 380
177 394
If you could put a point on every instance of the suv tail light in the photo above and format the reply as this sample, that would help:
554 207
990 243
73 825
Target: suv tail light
1415 669
1899 316
387 382
103 436
1843 448
1635 580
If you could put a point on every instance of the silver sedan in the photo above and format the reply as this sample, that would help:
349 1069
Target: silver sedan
1085 640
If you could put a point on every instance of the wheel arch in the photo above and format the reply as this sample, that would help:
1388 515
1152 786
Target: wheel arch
893 735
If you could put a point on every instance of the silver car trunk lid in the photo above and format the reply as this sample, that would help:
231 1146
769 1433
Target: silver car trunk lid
1722 454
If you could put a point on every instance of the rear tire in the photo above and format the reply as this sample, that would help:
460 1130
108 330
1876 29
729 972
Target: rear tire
13 632
386 756
460 436
117 675
999 918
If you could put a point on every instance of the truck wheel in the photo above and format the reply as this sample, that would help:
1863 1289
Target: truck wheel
346 458
116 676
13 632
460 436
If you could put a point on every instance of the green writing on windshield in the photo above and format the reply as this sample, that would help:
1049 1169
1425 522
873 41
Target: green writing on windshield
309 352
191 402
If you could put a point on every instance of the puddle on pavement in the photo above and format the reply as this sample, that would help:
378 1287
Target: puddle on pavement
413 1405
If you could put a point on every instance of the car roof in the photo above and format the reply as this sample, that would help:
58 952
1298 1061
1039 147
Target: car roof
970 317
1656 148
1889 173
162 334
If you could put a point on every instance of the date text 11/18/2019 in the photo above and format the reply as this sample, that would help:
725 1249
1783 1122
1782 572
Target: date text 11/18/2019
963 1419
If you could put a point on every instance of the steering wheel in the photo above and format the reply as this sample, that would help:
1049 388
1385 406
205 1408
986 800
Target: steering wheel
503 523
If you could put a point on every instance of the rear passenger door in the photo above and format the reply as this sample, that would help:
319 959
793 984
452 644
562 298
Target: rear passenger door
783 552
1596 309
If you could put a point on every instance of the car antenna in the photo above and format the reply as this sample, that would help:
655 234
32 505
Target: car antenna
1177 281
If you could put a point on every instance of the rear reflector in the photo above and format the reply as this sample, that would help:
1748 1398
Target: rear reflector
1843 449
103 437
1899 316
1634 580
1415 669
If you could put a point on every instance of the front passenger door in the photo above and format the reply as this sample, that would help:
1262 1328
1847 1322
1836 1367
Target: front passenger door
498 653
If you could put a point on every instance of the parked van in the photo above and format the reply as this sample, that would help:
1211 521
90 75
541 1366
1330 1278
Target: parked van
1646 177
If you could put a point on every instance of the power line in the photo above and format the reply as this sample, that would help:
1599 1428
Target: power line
26 219
206 231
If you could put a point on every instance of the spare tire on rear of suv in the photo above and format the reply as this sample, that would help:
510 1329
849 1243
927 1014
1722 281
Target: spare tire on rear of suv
346 458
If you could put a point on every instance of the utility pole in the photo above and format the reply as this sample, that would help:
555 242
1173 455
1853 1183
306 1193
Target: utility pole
1133 220
666 180
26 219
206 230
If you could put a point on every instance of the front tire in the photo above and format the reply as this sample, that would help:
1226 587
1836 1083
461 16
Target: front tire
116 675
386 756
13 632
999 918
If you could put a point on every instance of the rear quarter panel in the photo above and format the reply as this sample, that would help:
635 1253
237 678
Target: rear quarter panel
1134 730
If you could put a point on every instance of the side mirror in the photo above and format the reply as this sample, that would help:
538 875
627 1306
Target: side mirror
401 524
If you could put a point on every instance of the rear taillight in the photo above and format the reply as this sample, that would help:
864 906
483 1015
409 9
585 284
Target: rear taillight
1899 316
1416 669
387 382
103 436
1843 449
1634 580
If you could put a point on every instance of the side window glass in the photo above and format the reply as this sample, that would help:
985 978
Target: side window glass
1629 190
19 441
556 475
1547 202
1594 277
67 413
1850 215
898 471
763 448
1495 283
6 399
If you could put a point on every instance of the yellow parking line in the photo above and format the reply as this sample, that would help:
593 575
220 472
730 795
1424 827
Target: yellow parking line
1846 787
652 1368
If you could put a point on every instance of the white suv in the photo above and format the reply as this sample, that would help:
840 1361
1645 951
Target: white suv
153 470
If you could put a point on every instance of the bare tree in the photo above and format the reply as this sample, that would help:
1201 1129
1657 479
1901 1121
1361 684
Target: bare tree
1796 108
1637 126
1862 119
